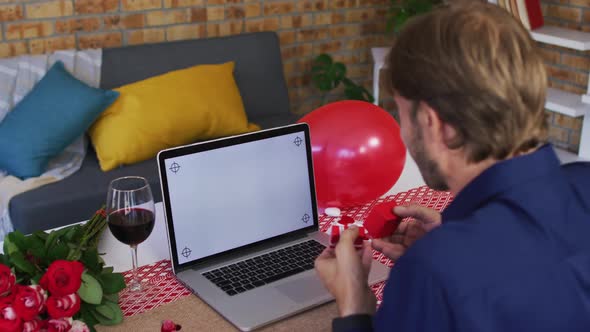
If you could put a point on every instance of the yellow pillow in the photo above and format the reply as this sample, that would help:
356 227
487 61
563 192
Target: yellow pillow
176 108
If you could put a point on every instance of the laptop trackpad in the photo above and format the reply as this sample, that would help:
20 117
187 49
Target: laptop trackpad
303 290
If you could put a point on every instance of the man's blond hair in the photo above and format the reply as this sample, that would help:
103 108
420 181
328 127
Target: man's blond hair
479 69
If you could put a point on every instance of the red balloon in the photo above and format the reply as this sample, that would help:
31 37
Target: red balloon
358 152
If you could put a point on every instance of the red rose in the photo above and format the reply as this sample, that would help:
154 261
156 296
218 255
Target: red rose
29 301
59 325
63 277
63 306
7 280
9 321
33 325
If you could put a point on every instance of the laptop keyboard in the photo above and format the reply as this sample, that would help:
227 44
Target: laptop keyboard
264 269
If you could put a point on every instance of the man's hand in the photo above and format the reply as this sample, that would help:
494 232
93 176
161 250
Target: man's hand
345 271
426 219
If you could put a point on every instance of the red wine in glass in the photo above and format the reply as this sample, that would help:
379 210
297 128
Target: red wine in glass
131 216
132 226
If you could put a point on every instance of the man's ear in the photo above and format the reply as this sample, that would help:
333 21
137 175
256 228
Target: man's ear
439 130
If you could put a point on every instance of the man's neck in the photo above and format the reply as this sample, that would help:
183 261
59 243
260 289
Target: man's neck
461 172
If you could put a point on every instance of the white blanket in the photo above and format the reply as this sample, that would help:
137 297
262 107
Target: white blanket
18 76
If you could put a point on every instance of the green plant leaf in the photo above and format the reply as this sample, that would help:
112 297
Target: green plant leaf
108 314
108 269
9 247
71 233
41 235
111 297
35 280
324 60
87 316
4 260
90 291
19 261
105 311
36 247
57 251
322 82
112 283
90 259
53 236
18 239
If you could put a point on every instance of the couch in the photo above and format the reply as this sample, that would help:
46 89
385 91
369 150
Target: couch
260 79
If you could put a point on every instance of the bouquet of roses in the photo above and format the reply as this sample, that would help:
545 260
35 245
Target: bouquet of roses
57 281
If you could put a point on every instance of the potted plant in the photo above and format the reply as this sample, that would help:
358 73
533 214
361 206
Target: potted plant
327 74
402 10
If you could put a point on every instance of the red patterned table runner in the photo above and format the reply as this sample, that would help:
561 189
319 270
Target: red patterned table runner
163 287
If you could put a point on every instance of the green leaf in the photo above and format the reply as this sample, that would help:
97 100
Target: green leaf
108 314
33 242
323 60
112 283
90 259
9 247
322 82
58 251
87 316
35 280
41 235
111 297
74 233
36 247
107 270
338 71
19 261
105 311
18 239
90 291
53 236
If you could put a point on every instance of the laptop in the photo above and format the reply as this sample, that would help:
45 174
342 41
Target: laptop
242 224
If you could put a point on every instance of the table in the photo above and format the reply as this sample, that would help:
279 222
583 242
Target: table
155 248
190 310
194 313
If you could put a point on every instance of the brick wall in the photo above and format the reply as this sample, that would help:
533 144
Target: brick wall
345 28
568 69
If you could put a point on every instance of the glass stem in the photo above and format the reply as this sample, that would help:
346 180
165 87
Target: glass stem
135 284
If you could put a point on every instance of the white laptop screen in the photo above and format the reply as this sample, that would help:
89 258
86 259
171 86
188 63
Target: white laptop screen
228 197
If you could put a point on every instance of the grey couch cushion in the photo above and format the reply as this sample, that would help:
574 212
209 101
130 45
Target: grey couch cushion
78 196
258 72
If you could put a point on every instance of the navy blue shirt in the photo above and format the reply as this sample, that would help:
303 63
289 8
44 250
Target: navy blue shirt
512 254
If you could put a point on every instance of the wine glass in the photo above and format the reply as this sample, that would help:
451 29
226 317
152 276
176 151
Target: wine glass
131 215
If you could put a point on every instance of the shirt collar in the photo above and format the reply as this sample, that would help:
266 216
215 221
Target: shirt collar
499 178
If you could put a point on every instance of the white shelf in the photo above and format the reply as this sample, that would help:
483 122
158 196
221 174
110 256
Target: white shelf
566 103
573 39
566 157
379 54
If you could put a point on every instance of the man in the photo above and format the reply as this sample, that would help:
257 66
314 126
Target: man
512 251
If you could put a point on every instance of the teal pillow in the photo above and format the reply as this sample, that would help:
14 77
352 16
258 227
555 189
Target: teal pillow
57 111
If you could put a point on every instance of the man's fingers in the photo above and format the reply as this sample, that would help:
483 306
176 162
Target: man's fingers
347 238
429 217
367 256
397 238
327 253
392 250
